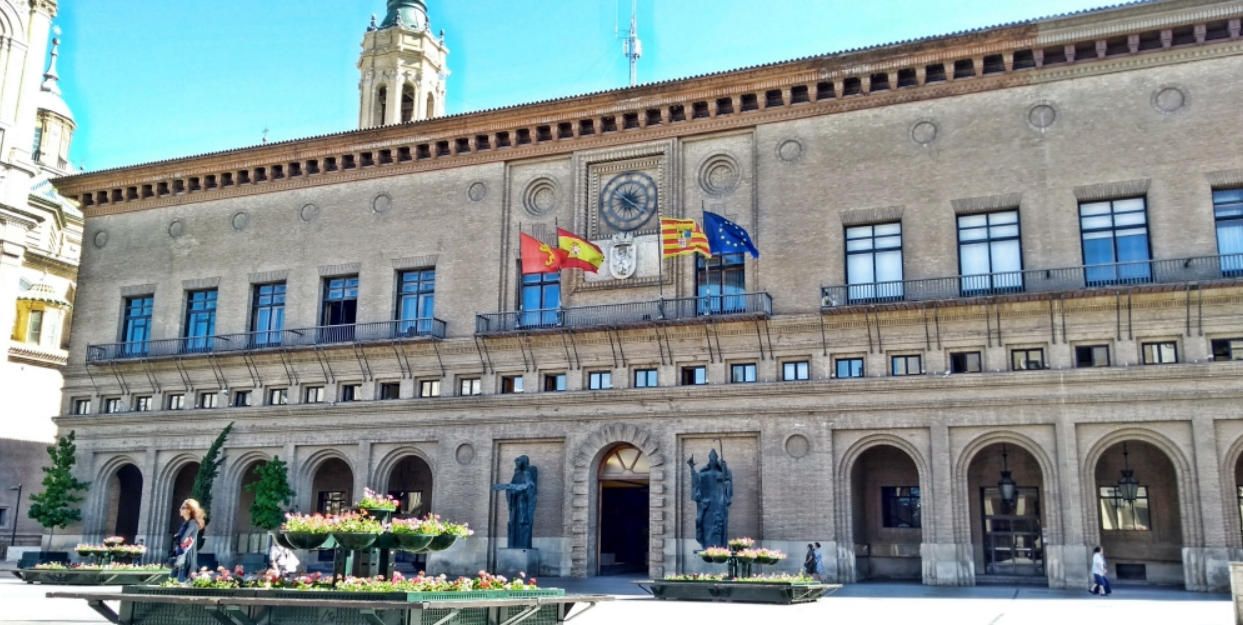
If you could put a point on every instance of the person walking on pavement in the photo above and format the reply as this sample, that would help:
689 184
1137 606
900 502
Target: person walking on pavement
809 562
1100 577
819 560
185 546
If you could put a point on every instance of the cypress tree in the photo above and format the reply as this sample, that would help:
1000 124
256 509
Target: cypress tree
208 470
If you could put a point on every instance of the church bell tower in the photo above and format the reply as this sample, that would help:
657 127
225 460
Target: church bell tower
403 67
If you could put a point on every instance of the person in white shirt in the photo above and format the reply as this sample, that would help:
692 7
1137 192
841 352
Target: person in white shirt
1099 571
283 561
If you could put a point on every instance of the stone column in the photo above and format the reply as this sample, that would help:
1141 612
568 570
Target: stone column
152 524
392 113
1067 564
945 561
1212 559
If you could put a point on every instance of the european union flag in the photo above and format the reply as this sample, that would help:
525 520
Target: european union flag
727 237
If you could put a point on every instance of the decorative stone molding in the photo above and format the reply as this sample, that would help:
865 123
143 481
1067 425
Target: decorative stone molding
308 213
1170 99
382 204
790 150
797 446
201 283
719 174
477 191
326 271
279 275
415 262
924 131
176 228
967 206
138 289
1226 178
541 196
1042 115
100 239
1112 190
864 216
240 220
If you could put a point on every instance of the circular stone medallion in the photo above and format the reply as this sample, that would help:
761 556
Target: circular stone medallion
465 454
924 132
790 150
797 446
382 204
176 228
1041 116
308 213
477 191
101 238
541 196
240 220
1169 99
719 175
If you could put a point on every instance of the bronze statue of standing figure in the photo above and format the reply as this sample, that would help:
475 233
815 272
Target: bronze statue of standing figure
712 489
520 495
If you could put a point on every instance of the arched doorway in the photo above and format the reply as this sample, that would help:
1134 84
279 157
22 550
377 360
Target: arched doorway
250 537
624 506
886 519
381 106
431 106
1140 520
1005 492
183 485
407 102
124 502
332 492
410 483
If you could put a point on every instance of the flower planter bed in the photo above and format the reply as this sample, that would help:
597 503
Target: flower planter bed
92 577
157 606
737 592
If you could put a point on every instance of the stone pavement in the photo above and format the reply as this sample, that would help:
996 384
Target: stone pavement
865 604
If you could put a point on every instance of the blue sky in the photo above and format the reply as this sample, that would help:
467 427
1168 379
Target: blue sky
156 79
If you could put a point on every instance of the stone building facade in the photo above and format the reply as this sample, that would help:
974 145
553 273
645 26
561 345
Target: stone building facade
40 240
995 322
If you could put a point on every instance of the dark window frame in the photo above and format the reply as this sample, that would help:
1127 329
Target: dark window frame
1026 352
278 397
267 313
429 389
868 291
697 374
993 238
905 369
854 364
1107 494
599 380
646 378
555 382
1092 357
1226 350
81 407
175 401
1136 271
543 290
801 370
893 500
720 283
1228 216
390 390
747 370
1155 352
961 362
475 384
511 384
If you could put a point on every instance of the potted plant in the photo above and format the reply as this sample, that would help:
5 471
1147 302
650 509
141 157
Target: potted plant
769 556
381 507
306 531
356 530
738 544
746 556
412 535
715 554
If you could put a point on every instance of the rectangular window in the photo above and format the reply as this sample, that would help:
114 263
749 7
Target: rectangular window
81 406
742 374
136 328
1115 242
874 263
267 315
1165 353
351 392
965 362
142 404
849 367
1092 356
694 376
720 282
200 320
417 302
177 401
907 365
34 327
429 388
511 384
340 310
1228 209
241 399
1228 349
599 380
794 371
645 378
1117 514
901 506
470 386
1026 359
554 382
541 299
280 396
390 390
311 395
112 405
333 502
990 257
207 399
4 517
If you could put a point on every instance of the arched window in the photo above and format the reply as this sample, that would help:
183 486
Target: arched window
624 462
407 102
431 106
381 105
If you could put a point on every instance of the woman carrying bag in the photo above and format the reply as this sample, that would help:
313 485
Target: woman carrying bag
185 544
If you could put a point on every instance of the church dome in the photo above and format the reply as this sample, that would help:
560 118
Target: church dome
49 98
409 14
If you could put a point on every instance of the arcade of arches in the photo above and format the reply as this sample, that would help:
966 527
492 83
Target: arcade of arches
1138 511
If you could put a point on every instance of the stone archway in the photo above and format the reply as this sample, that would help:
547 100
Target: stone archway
624 511
1007 534
847 489
182 485
583 498
249 537
886 519
1143 538
124 502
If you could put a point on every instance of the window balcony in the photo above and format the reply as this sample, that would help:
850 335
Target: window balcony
384 331
1200 269
630 314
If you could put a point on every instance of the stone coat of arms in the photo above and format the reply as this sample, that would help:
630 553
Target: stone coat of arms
622 256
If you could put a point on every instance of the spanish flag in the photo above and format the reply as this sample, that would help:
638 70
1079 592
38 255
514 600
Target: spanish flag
579 252
539 257
679 237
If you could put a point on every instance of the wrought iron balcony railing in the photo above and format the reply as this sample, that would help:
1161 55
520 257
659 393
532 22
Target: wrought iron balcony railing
253 341
633 313
1181 270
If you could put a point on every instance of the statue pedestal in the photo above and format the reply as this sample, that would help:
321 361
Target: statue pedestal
510 562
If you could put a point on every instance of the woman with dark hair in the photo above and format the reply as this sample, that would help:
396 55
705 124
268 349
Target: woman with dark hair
1100 574
185 544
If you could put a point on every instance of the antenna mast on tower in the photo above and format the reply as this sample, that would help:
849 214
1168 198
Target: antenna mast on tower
633 48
